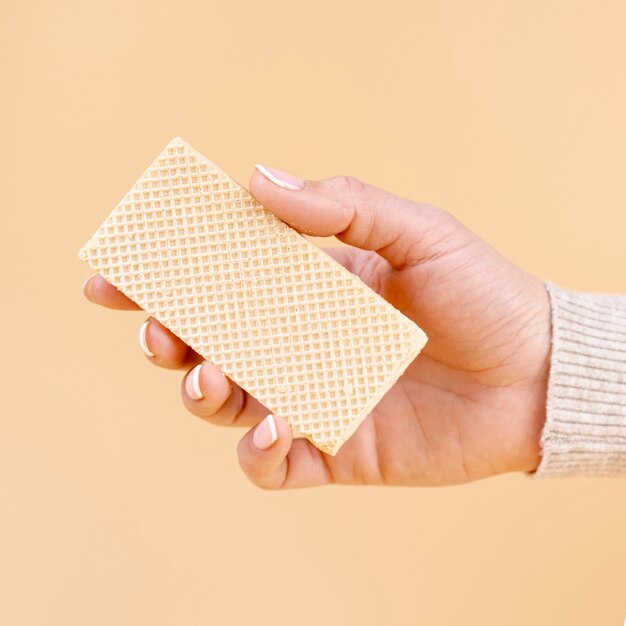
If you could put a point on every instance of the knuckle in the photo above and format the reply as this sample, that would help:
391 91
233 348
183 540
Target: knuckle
354 199
242 454
265 485
253 472
211 416
352 191
219 411
433 214
229 407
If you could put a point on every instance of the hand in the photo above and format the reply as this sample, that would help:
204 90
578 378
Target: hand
470 406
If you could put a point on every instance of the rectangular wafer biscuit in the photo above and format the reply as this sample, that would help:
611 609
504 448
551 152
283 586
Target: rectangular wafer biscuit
274 312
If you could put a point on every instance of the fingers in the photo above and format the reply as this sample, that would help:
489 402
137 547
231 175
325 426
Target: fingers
159 345
162 347
267 453
97 290
401 231
271 459
207 393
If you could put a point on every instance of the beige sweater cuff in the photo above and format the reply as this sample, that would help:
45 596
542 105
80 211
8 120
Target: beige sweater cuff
585 429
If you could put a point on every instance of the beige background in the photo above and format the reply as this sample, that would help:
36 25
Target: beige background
117 507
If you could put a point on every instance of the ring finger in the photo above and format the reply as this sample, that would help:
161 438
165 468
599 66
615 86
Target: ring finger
209 394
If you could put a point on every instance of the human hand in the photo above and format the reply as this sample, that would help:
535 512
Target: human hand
470 406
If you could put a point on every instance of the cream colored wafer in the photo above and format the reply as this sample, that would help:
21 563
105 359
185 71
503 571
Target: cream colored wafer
251 295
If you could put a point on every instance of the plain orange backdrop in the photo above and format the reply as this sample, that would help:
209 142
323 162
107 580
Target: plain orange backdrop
117 507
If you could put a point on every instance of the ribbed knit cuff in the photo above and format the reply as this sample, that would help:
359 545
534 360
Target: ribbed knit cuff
585 429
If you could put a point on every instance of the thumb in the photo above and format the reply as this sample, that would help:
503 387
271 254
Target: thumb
403 232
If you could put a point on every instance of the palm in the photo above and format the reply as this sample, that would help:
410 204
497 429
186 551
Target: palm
443 422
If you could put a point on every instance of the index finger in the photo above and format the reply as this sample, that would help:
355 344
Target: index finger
97 290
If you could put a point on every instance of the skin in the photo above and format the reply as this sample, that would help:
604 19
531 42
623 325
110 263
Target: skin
472 405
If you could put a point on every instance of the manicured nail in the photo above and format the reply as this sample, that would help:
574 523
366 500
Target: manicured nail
265 435
142 339
87 290
282 179
192 383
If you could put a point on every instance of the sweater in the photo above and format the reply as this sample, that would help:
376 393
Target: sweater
585 428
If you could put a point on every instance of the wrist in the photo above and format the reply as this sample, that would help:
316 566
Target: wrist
535 421
534 418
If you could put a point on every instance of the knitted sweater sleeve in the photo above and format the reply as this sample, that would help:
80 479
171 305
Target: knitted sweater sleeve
585 428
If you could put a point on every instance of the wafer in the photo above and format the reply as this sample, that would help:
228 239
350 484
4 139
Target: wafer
274 312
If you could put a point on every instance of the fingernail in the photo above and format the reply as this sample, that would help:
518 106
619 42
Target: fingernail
87 290
142 339
282 179
265 434
192 383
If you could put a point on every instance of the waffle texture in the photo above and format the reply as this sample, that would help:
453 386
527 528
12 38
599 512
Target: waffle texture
251 295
